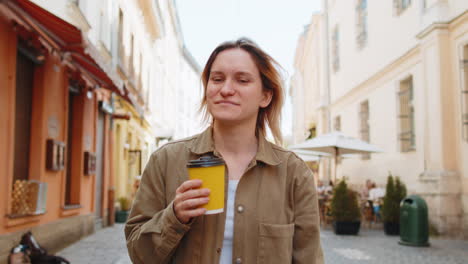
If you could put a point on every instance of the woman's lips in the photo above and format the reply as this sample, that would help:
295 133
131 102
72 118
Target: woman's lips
226 102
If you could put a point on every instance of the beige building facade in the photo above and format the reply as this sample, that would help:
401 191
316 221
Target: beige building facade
175 103
397 73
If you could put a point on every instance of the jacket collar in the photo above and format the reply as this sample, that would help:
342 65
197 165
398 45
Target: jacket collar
204 143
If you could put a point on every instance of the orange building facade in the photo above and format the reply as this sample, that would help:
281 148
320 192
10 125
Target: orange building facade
55 131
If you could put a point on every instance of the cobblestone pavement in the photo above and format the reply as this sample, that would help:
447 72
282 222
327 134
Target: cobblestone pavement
373 246
107 246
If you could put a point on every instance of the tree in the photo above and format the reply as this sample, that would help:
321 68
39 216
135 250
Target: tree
395 192
344 204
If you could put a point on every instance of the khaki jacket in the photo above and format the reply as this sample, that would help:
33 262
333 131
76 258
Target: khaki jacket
276 210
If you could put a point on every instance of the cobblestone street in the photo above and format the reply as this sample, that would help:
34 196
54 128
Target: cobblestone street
373 246
107 246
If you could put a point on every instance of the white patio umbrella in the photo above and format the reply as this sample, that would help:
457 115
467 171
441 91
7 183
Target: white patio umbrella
336 144
308 155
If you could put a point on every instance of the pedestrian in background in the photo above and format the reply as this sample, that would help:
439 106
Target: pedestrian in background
271 213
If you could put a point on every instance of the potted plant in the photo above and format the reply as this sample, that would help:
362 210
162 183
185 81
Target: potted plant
121 215
345 210
394 193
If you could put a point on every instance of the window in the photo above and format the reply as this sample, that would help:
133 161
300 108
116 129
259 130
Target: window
361 23
23 111
337 123
401 5
104 26
131 67
336 49
140 74
72 180
364 125
406 116
464 94
121 50
148 85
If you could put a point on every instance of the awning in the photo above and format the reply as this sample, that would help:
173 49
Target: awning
56 34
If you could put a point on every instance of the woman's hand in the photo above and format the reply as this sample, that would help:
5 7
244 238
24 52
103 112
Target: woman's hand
188 199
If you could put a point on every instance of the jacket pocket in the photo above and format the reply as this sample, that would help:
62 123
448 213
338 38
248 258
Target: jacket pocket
275 243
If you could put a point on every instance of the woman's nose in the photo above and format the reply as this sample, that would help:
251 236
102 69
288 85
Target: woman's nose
227 89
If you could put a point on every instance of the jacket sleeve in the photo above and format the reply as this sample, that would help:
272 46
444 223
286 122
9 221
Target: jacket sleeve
152 231
306 242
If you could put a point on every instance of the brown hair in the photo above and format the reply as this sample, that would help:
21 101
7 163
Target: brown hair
271 81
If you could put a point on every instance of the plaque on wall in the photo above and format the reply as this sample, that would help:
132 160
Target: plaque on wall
87 142
55 155
53 127
89 163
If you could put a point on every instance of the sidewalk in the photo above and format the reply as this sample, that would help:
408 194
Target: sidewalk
107 246
373 246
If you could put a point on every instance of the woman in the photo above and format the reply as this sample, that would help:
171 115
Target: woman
271 211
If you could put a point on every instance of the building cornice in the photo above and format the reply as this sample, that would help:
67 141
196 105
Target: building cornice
431 28
409 58
443 25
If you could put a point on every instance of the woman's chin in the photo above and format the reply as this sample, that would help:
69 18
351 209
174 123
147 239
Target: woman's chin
225 119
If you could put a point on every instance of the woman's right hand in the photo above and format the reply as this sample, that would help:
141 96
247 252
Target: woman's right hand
188 200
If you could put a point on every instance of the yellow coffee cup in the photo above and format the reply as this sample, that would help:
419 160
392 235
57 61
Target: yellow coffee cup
211 171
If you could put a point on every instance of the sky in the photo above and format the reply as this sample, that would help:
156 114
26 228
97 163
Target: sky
275 25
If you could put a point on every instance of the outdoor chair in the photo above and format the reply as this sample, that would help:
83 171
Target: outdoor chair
367 211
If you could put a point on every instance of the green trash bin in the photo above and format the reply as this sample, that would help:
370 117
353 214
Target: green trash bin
414 223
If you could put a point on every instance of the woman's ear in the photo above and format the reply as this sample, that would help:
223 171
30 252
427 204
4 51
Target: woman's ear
266 100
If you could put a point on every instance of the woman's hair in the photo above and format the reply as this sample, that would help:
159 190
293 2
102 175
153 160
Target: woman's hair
271 81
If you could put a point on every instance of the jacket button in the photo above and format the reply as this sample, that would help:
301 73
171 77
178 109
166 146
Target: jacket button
238 261
218 250
240 209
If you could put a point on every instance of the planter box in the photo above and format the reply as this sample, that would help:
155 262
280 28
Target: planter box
121 216
346 228
392 229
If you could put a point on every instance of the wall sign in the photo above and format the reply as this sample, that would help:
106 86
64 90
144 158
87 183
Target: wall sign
89 163
55 155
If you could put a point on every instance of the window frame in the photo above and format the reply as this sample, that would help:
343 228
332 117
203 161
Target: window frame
364 127
337 123
361 23
400 6
404 132
71 195
37 59
464 91
336 49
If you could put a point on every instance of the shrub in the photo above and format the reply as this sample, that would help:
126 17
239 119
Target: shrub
124 203
344 204
395 192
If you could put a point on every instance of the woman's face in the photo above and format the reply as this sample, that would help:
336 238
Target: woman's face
234 91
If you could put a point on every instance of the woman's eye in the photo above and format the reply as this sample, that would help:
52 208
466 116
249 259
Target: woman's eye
216 79
244 80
